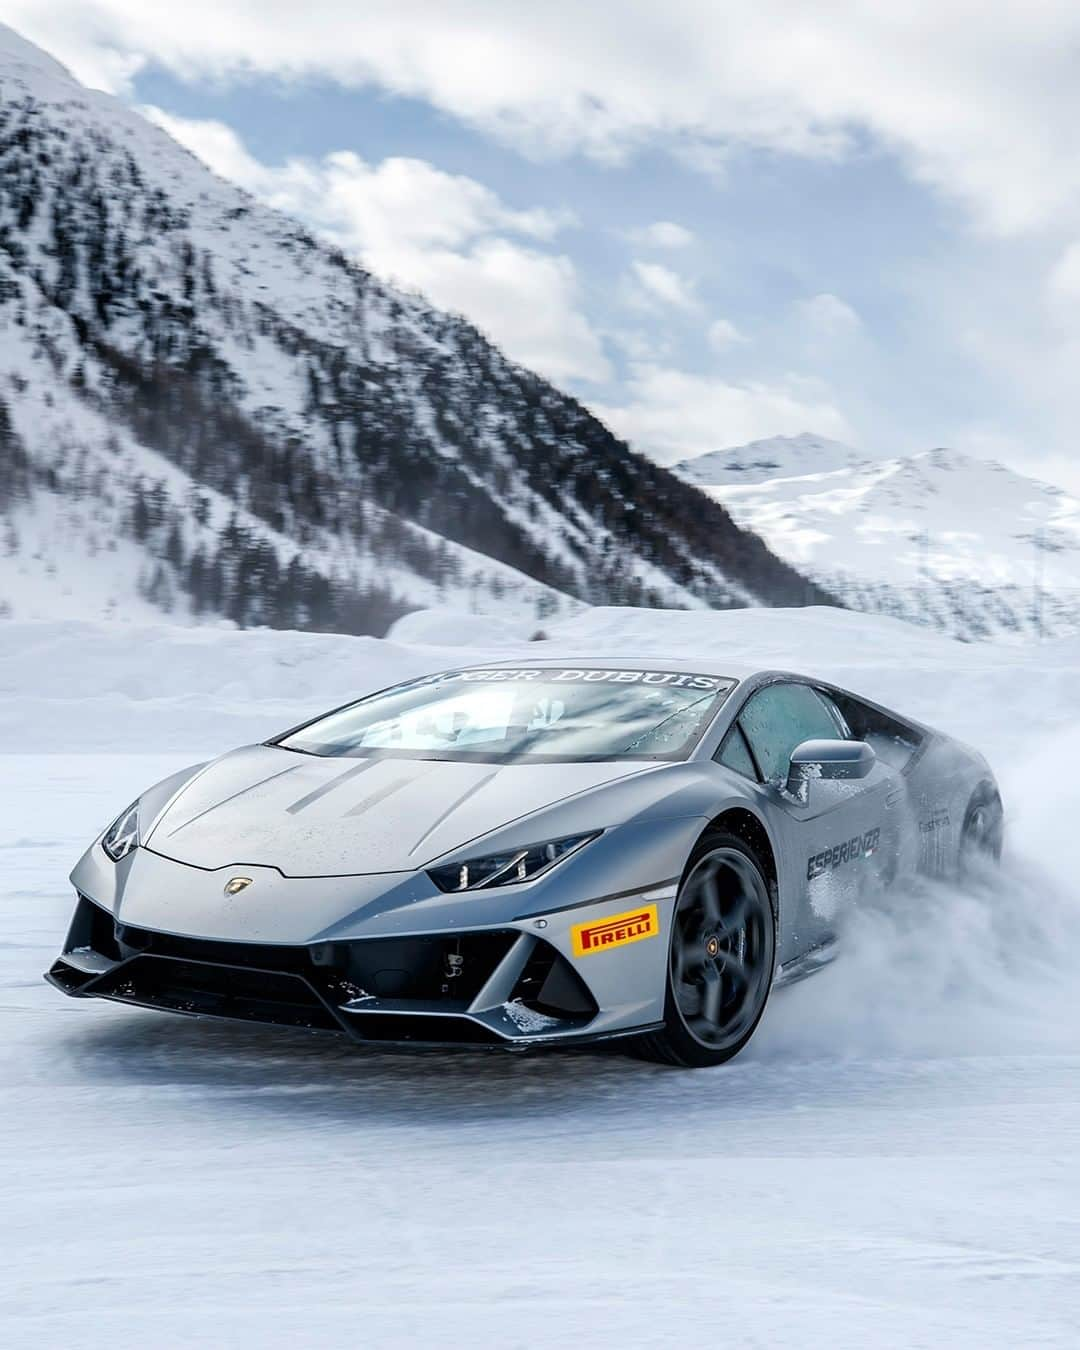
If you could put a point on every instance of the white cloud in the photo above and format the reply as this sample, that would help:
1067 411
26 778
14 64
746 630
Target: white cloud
673 414
722 335
981 103
653 283
401 200
1065 276
710 158
662 234
641 345
827 316
441 233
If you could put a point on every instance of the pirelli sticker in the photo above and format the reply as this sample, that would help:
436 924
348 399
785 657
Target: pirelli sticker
601 935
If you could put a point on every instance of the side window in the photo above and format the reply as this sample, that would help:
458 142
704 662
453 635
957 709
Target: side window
735 755
778 718
893 742
839 720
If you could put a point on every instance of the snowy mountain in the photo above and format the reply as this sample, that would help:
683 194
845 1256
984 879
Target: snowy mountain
963 544
775 457
206 411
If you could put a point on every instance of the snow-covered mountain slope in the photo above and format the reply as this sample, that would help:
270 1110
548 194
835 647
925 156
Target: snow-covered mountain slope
774 457
963 544
204 410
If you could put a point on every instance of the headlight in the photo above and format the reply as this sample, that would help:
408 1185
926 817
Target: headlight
122 836
507 869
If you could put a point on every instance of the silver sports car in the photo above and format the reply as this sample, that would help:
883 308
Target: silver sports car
526 855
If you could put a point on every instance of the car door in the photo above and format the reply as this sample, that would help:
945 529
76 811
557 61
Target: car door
830 841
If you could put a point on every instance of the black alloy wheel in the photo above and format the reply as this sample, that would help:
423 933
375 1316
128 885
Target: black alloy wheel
722 956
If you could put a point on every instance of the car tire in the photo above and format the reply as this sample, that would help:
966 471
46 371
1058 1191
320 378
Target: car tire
721 956
983 831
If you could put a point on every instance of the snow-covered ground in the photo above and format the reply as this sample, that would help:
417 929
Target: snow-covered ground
893 1162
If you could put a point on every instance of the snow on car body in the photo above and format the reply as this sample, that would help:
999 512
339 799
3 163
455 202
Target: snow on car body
524 854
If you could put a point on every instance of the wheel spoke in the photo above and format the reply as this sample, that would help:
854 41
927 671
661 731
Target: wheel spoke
733 965
711 994
710 899
691 957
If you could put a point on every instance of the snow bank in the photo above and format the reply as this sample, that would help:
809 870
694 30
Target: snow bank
126 687
446 627
122 687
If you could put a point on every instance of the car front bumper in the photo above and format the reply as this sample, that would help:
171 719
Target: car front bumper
385 957
505 987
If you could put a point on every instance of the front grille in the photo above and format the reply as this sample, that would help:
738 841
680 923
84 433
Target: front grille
417 968
418 989
422 969
259 956
218 991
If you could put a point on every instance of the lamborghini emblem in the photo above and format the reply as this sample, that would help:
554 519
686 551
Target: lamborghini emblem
237 884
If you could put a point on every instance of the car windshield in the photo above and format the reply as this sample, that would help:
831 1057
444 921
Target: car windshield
503 715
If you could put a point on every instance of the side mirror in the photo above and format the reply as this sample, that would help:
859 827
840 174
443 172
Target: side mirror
827 759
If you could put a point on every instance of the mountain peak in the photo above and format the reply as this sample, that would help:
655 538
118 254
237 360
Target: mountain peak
772 457
802 440
18 54
941 536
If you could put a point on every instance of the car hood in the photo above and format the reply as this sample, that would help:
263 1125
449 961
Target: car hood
310 817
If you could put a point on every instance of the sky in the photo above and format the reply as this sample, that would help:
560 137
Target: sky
710 222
